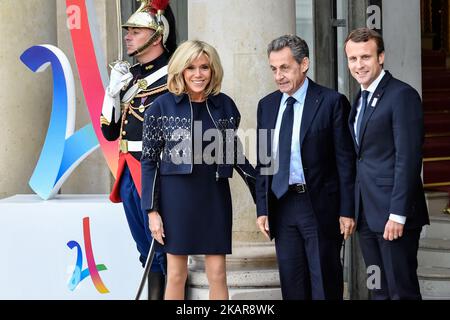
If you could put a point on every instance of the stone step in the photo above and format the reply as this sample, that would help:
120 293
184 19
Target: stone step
258 284
436 201
434 283
439 227
252 273
258 278
434 253
238 294
246 255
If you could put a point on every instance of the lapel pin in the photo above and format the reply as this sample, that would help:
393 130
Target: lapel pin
374 102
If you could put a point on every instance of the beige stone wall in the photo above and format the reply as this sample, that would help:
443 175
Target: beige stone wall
240 31
26 97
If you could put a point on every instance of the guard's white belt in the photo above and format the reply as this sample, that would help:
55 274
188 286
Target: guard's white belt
130 146
135 146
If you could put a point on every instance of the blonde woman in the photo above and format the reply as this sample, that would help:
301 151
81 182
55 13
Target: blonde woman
185 188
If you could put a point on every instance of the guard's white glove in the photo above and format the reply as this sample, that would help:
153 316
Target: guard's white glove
120 78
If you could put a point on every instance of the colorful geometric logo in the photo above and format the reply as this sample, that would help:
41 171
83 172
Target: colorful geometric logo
93 269
64 149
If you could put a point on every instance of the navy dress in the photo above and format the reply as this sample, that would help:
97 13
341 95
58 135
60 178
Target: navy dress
195 208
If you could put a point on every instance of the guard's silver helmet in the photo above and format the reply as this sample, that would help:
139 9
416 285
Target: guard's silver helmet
150 15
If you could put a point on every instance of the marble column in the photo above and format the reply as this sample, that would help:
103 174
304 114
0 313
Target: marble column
241 31
26 97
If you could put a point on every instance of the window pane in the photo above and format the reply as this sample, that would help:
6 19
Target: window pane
305 29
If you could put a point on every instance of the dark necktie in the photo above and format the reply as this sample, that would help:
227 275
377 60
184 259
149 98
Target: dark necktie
364 96
280 181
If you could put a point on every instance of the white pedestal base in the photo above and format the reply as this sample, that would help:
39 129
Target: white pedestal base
36 262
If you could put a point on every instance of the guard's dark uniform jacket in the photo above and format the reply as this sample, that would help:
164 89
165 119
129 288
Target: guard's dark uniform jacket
129 129
168 143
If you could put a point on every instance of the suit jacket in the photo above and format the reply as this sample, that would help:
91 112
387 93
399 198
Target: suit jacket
389 157
327 154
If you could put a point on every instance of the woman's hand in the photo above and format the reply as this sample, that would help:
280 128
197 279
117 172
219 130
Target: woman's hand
155 225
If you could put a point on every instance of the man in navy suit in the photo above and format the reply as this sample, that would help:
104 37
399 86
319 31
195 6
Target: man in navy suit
305 186
386 122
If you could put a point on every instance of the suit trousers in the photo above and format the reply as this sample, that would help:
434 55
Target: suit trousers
308 261
391 265
138 222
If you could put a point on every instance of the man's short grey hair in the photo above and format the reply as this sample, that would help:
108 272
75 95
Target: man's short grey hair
298 46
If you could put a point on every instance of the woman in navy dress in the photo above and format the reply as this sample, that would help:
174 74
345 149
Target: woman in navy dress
189 152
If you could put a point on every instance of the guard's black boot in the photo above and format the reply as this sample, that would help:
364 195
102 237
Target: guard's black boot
186 288
156 285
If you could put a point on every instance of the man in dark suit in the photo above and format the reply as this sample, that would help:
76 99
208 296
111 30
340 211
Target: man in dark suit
305 188
386 122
